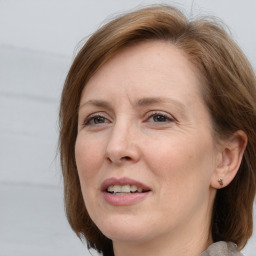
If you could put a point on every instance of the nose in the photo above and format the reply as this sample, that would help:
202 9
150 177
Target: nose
122 146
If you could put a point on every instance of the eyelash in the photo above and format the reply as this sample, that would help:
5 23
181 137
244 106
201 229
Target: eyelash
93 117
167 118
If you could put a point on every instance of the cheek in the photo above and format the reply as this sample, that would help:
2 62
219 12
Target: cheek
88 155
182 172
179 162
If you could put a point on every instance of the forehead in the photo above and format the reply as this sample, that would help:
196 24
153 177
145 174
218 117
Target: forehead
152 67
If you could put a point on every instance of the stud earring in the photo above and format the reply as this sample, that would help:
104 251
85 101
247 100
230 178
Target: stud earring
220 181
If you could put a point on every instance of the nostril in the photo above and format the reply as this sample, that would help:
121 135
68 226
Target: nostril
126 158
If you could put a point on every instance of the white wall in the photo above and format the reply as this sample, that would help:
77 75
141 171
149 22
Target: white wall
56 26
37 42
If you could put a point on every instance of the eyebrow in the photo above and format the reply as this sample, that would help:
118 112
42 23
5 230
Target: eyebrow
147 101
96 103
151 101
157 100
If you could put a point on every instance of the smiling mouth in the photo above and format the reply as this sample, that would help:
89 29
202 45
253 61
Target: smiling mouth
121 190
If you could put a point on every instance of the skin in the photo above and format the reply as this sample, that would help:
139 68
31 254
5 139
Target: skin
165 143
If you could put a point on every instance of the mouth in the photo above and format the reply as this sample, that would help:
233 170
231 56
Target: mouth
123 186
124 191
121 190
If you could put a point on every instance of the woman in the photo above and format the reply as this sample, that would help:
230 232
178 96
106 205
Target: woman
157 138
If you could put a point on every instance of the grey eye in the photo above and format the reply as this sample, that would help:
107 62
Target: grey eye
98 119
160 118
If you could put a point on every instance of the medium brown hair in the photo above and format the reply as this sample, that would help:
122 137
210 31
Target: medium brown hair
228 86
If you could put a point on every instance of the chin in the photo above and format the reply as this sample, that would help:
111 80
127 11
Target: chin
124 229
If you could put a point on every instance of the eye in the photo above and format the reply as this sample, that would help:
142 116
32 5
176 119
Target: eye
95 120
158 117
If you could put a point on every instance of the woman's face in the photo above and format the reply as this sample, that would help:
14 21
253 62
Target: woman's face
144 151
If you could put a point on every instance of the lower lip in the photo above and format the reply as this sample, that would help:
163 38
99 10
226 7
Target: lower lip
124 199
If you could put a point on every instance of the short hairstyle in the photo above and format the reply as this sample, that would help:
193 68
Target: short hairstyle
228 89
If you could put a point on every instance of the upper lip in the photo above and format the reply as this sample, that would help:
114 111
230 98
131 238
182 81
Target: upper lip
123 181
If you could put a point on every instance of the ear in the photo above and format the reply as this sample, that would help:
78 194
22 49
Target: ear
229 159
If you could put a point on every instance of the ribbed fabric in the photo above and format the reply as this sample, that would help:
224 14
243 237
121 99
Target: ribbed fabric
222 249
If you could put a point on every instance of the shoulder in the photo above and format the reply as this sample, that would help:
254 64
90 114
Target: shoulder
222 249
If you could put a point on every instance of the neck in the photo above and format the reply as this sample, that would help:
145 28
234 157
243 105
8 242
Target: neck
193 246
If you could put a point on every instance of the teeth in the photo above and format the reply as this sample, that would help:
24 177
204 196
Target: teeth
124 189
133 188
116 189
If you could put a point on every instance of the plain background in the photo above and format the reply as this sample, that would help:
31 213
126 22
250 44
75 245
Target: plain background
38 40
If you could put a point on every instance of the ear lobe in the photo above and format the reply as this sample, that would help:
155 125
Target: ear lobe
230 158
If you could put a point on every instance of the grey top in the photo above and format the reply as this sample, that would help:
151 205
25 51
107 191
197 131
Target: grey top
222 249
